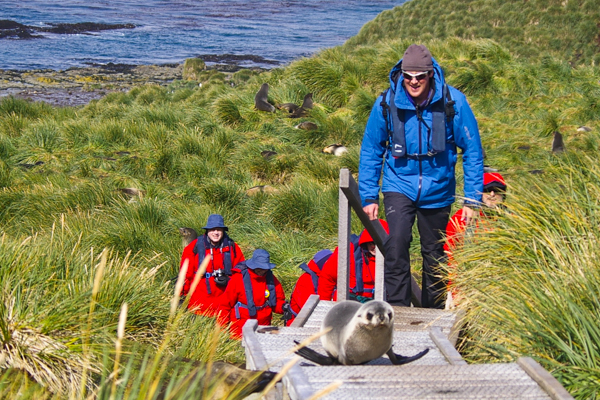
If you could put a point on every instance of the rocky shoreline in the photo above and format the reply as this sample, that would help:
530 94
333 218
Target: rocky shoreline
79 85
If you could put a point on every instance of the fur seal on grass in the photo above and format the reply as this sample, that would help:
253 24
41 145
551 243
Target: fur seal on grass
289 107
358 333
307 102
307 126
261 101
188 235
558 145
335 149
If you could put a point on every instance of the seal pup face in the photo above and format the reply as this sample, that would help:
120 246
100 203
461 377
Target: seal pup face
376 314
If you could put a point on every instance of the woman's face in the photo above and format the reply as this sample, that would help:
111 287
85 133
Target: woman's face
492 199
260 271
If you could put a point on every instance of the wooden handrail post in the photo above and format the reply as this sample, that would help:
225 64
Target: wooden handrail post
344 228
350 199
379 276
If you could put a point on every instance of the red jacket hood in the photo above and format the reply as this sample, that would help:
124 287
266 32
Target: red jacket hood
366 238
493 179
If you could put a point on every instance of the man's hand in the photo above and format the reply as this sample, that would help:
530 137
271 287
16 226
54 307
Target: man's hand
468 215
372 210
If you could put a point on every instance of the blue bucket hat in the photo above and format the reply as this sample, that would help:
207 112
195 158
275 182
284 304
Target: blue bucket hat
260 259
215 221
321 257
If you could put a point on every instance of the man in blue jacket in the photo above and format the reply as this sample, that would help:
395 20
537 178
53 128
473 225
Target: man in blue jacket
412 134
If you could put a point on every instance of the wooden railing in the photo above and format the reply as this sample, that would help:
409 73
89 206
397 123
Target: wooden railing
349 199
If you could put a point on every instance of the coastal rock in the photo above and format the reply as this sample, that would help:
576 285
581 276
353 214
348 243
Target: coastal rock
14 30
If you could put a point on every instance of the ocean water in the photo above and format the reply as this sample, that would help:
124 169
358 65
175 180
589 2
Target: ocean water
171 31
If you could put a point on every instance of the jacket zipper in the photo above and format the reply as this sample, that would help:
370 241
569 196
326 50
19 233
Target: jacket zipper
419 158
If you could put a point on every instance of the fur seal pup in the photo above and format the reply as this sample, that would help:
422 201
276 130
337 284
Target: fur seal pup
268 154
289 107
307 126
358 333
261 101
224 379
558 145
335 149
132 192
188 235
298 111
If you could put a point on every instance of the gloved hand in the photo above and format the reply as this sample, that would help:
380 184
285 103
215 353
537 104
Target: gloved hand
287 312
360 299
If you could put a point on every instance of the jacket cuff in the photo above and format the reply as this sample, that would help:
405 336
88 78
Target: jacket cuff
471 203
366 202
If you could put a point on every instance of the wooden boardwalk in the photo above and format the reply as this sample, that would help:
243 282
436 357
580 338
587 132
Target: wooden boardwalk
441 374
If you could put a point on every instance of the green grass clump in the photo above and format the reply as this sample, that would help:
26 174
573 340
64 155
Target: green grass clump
195 148
538 294
530 29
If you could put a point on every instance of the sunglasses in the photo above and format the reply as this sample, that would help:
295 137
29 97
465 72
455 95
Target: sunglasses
420 76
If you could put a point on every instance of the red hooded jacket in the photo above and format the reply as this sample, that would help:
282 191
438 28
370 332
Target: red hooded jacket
456 228
328 278
303 289
236 292
202 302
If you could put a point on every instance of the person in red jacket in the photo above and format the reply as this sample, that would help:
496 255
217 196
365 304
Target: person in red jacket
306 284
494 189
224 255
252 293
363 260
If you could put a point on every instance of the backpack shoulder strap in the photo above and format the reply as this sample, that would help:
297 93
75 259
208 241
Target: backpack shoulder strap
315 279
271 287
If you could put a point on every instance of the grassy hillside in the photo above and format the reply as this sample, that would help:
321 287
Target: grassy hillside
196 150
567 29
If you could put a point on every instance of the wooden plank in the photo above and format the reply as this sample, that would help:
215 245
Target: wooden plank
255 359
457 327
297 384
543 378
306 311
349 188
344 229
445 347
379 276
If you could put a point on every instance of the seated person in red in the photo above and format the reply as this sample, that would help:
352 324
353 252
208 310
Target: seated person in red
224 254
494 189
307 284
252 293
362 265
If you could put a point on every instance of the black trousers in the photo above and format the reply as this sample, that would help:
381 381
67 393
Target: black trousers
400 213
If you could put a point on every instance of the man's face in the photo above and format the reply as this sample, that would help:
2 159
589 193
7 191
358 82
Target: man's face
215 235
492 199
417 84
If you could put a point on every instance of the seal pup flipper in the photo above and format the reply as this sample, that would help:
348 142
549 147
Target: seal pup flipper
316 357
398 359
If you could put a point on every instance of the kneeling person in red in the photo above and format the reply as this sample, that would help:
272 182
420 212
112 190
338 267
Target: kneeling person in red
307 284
362 270
252 293
224 254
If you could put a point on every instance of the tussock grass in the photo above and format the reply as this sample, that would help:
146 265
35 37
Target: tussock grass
539 294
195 150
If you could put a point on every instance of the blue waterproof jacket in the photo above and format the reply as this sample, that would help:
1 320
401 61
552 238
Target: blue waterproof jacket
427 180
